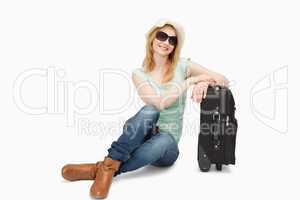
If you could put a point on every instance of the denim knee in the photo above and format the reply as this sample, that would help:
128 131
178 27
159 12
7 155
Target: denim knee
135 130
168 159
171 152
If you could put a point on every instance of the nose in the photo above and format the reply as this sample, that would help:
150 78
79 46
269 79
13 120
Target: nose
166 42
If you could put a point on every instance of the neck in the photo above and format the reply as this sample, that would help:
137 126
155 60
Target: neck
160 61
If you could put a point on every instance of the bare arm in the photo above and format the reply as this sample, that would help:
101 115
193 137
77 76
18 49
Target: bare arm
149 95
195 69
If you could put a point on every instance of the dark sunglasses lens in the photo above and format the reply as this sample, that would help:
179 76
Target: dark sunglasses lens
173 40
161 36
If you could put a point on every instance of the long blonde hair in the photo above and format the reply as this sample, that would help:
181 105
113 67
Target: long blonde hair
148 63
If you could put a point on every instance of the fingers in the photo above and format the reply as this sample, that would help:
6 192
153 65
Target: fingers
197 97
212 83
199 92
205 90
204 93
223 81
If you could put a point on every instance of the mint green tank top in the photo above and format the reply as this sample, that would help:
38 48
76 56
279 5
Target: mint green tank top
171 118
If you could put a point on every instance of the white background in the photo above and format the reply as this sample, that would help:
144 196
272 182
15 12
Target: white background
244 40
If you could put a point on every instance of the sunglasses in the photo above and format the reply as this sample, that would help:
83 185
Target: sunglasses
162 36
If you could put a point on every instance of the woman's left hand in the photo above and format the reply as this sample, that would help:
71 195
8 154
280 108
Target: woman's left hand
200 90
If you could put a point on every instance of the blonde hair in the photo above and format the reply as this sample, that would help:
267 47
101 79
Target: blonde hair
148 63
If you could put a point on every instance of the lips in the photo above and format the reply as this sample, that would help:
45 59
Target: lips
163 48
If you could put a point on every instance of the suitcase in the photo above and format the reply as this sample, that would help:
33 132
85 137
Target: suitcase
218 128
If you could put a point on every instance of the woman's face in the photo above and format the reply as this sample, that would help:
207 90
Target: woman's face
164 48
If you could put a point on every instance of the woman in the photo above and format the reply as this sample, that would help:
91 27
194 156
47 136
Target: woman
151 136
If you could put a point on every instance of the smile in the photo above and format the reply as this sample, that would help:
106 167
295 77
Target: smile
163 48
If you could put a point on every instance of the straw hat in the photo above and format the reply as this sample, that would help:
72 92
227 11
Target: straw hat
179 30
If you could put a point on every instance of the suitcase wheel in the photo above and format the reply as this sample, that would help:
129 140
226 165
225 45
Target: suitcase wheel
219 167
204 168
204 163
203 160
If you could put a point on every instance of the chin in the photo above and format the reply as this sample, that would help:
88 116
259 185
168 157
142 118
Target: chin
163 53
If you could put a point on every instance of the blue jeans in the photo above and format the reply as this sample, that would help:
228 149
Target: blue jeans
141 144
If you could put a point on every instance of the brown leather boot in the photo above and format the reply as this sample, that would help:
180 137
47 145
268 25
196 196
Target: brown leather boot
104 176
75 172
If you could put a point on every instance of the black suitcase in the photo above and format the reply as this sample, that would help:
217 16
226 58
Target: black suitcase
218 128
